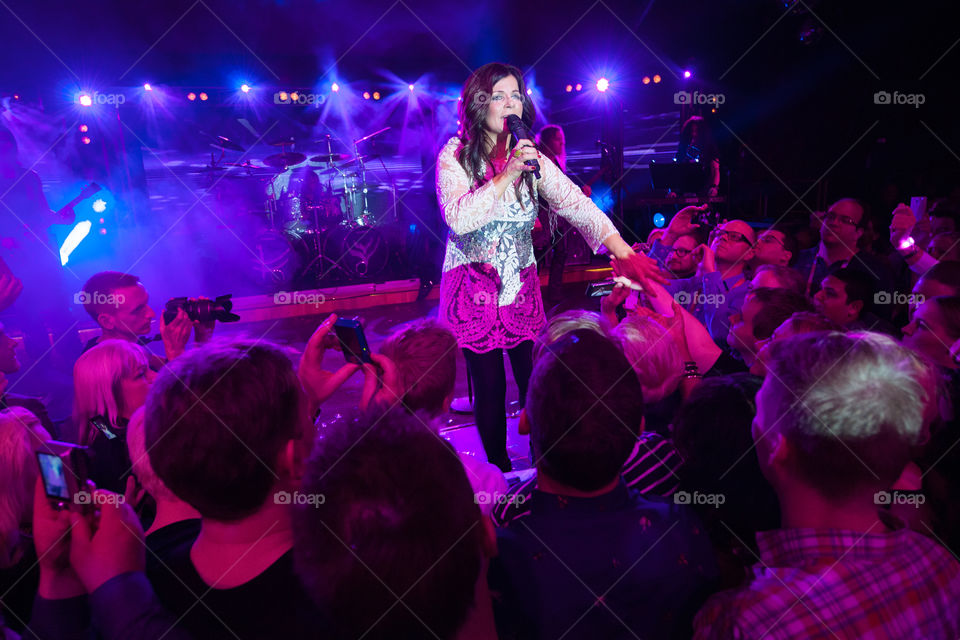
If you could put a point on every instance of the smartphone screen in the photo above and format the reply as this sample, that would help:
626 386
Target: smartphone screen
352 341
53 472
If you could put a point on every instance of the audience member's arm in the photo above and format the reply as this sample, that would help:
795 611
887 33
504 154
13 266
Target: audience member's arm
380 387
318 383
681 224
675 327
703 350
609 304
901 227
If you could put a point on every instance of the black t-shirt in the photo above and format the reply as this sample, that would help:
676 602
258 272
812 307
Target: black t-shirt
18 587
272 605
109 461
171 541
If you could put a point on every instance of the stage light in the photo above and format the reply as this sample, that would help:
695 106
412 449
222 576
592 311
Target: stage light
102 220
294 96
245 88
103 232
657 79
659 220
410 86
147 87
687 74
646 80
529 92
204 97
366 95
569 88
376 95
85 100
602 85
335 87
85 139
191 96
84 128
100 205
283 96
74 238
578 87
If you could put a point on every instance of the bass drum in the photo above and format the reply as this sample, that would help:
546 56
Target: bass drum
357 252
285 258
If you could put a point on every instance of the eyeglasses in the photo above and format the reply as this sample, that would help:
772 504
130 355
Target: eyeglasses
731 236
830 216
681 253
769 238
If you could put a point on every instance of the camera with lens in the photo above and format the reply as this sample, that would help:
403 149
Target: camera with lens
201 310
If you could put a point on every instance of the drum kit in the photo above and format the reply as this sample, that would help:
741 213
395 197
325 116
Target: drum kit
319 215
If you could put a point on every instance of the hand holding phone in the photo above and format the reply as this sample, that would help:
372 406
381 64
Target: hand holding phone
352 341
63 471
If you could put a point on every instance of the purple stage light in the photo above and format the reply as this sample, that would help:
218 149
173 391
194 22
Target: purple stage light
147 87
85 100
191 96
366 95
335 87
602 85
245 88
687 74
410 86
204 97
646 79
578 87
529 92
569 88
657 79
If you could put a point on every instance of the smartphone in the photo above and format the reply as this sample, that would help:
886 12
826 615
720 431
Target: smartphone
600 289
63 470
352 341
919 206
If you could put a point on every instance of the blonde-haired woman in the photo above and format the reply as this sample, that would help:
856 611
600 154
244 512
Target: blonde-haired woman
20 434
110 382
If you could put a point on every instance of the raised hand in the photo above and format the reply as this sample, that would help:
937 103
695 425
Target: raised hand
318 383
176 334
682 224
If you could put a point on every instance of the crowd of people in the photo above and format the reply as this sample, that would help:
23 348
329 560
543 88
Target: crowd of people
748 438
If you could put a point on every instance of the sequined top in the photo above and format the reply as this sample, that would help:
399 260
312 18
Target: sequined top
490 290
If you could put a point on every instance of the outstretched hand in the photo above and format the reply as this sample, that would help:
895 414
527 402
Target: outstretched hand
639 268
318 383
380 383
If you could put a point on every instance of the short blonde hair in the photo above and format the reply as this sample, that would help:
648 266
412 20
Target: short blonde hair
652 353
564 323
140 459
96 382
19 437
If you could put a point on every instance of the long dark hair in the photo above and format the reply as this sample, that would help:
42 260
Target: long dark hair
474 103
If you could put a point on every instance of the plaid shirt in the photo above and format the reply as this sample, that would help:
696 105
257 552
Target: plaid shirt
835 584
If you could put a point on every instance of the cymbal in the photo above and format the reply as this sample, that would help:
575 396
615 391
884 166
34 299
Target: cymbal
246 164
349 163
284 160
282 142
326 157
226 143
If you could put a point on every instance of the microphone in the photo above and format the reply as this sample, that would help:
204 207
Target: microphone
519 132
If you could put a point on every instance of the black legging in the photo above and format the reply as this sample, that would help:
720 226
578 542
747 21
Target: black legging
490 395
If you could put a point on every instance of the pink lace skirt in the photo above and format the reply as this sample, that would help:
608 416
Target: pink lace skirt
469 307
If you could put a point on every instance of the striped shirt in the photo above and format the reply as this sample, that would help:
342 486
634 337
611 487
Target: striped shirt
650 469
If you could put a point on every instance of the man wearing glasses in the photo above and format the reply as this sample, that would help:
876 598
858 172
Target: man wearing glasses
840 233
774 247
719 286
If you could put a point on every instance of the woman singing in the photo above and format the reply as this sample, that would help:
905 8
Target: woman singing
490 291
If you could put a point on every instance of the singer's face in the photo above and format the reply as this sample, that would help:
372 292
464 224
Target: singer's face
505 100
